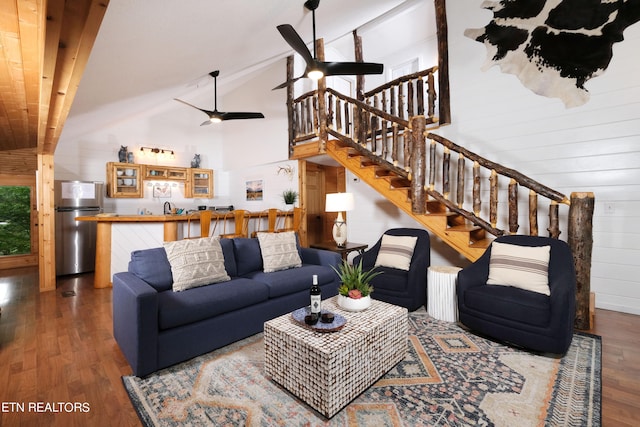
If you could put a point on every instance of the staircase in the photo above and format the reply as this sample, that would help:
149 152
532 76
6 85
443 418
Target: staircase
388 140
469 240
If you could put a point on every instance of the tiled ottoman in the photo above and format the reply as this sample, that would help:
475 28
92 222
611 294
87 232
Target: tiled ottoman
328 370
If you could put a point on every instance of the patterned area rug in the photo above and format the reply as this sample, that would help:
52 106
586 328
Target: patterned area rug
449 377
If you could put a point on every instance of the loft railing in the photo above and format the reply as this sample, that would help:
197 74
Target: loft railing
379 131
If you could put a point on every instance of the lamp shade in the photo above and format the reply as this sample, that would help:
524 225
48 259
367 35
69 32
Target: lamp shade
339 202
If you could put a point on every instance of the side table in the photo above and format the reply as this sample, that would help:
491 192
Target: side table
442 303
342 250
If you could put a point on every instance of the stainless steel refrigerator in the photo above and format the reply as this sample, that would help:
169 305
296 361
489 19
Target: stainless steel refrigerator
76 240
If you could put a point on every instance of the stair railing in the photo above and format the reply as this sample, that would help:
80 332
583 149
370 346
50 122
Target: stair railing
400 145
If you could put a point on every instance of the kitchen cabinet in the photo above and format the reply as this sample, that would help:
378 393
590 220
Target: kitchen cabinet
165 173
124 180
199 183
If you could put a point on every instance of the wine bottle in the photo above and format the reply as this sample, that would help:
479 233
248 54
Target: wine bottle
316 297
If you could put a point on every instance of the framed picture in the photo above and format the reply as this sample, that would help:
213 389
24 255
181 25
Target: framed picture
162 190
254 190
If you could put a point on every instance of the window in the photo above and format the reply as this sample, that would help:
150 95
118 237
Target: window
15 220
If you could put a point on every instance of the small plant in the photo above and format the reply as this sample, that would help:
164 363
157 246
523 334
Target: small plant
355 282
289 196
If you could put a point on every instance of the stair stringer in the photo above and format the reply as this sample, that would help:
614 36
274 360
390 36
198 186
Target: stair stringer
436 223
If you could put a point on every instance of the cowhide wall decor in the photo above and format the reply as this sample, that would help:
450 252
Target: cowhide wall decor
555 46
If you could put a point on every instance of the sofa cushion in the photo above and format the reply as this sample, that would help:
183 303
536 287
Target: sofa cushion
152 266
196 262
510 303
182 308
248 256
286 282
279 251
229 257
396 251
524 267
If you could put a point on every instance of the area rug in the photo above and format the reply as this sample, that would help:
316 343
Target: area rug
449 377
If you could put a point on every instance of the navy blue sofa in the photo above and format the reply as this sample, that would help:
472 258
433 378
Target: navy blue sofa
404 288
527 319
156 327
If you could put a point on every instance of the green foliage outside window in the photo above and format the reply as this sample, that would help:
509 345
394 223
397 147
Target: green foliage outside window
15 220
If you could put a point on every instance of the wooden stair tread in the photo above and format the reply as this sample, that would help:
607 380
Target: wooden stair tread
463 228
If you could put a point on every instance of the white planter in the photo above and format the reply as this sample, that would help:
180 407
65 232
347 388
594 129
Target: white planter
351 304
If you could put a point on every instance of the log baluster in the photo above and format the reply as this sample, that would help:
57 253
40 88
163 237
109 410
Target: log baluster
554 222
493 198
348 125
392 101
356 124
513 206
407 150
330 111
533 213
364 127
446 160
316 124
338 109
420 96
410 98
460 188
432 165
400 101
431 92
394 144
477 203
374 126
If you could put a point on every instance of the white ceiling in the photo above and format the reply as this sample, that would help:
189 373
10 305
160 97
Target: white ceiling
147 46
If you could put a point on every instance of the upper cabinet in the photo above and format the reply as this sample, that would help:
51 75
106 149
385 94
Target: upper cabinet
124 180
199 183
165 172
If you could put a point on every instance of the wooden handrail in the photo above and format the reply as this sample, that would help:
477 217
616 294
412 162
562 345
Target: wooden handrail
401 79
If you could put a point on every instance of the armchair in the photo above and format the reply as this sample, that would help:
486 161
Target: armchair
397 286
518 316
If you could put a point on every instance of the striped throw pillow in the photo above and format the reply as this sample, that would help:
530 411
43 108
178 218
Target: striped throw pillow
523 267
396 251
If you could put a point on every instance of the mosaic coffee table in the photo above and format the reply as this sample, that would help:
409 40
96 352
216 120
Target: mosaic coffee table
327 370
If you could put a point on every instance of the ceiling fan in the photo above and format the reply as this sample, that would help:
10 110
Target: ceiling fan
216 116
317 69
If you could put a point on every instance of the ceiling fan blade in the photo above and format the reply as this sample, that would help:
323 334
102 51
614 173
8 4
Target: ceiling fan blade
205 123
283 85
207 112
240 116
351 68
295 41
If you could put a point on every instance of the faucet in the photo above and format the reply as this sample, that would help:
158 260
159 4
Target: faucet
167 208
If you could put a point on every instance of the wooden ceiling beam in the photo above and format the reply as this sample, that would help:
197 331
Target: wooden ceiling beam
79 30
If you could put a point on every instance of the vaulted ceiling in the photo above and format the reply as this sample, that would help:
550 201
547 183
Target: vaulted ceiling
54 62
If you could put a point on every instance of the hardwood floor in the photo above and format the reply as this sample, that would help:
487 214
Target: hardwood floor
58 348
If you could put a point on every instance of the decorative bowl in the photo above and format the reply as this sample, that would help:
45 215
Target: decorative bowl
128 172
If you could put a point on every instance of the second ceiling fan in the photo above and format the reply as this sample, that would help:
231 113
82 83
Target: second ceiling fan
216 116
317 69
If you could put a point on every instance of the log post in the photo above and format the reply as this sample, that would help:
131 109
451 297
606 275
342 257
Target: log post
443 61
321 127
533 213
513 206
580 240
357 48
493 198
290 106
460 188
418 164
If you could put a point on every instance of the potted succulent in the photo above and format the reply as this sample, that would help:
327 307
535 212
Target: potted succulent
354 294
289 196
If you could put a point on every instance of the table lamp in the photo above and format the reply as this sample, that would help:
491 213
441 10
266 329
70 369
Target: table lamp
339 202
